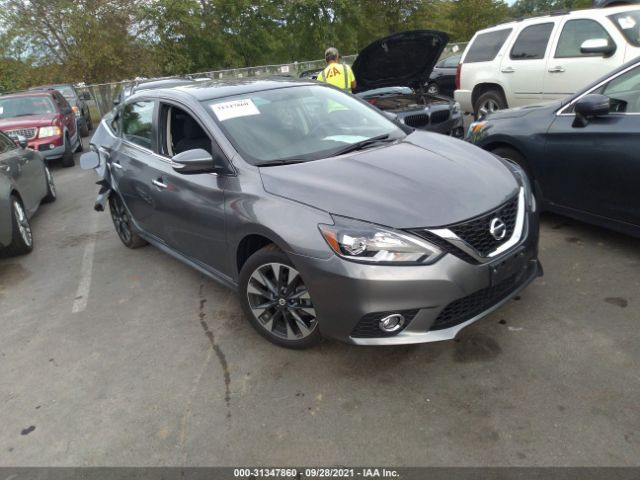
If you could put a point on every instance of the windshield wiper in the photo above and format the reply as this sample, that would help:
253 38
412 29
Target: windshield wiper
363 144
275 163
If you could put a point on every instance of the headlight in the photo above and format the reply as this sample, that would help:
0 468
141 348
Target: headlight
523 180
456 108
476 127
368 243
49 132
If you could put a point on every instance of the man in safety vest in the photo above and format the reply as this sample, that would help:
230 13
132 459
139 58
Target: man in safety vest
337 74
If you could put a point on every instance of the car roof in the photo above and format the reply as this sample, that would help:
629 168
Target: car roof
586 13
30 93
211 89
160 83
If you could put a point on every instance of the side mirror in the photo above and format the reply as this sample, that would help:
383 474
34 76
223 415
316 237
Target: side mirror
193 161
89 160
86 96
599 46
21 141
593 105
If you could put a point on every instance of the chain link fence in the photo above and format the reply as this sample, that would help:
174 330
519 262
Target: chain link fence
102 95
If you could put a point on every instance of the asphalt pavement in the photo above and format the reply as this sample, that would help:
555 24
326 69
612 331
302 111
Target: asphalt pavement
110 356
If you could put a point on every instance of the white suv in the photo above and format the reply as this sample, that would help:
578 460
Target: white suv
544 58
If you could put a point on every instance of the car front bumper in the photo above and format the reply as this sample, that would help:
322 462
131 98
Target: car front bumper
345 294
49 148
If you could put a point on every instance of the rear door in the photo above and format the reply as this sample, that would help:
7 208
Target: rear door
596 169
523 66
136 169
568 69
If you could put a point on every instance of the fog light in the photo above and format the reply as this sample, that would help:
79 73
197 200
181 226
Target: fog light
391 323
51 146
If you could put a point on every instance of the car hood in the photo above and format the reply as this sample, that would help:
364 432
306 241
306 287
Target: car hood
522 111
27 121
425 180
402 59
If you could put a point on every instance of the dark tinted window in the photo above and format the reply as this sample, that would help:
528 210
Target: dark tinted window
137 120
629 24
574 33
532 42
486 46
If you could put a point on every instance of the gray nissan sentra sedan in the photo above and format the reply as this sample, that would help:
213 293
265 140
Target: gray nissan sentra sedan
329 218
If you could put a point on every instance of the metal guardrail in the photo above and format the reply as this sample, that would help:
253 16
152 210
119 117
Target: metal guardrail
102 95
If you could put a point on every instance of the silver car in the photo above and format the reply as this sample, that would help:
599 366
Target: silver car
325 215
25 182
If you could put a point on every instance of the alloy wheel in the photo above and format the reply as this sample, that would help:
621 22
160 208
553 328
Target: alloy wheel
120 219
23 223
280 301
489 106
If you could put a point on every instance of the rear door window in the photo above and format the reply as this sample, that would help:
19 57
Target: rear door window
137 122
573 35
532 42
486 46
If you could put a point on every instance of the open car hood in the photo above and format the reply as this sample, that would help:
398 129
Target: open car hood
402 59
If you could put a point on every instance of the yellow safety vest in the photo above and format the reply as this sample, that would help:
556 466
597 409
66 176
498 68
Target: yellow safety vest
338 75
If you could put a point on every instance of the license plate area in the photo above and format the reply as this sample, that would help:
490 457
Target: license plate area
508 267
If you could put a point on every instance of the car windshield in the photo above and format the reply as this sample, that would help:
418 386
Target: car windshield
629 24
23 106
298 123
66 91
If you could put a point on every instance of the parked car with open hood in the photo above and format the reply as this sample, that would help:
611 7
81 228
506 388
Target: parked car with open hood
544 58
25 182
581 153
392 73
45 119
78 102
326 216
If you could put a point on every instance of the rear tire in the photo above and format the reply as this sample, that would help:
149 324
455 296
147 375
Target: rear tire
21 234
67 157
123 224
491 100
84 129
276 300
51 187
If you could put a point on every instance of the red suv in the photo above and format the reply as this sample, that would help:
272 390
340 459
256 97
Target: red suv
45 119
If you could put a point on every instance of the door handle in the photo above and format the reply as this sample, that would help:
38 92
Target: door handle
5 168
159 184
508 70
116 164
556 69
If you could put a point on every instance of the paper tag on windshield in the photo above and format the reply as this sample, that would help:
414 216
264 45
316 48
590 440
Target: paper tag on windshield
626 22
234 109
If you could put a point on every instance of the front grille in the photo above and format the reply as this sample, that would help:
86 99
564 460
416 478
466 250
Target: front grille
440 116
444 245
419 120
476 231
27 133
463 309
367 327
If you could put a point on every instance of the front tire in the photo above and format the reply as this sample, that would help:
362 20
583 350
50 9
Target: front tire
22 236
123 223
489 102
67 157
51 187
433 89
276 300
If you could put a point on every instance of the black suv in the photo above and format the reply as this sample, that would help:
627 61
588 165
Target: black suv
78 102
